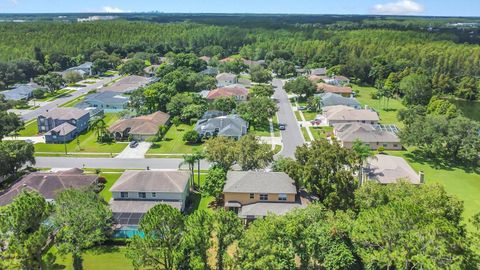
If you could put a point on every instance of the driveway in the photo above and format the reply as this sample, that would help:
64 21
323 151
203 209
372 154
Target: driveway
137 152
33 139
292 135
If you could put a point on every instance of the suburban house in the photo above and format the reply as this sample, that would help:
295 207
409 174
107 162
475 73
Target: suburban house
224 79
107 101
135 192
231 126
139 128
255 194
317 78
341 90
128 84
84 69
49 184
62 124
238 92
345 114
21 91
331 99
212 114
387 169
337 80
212 71
319 71
348 133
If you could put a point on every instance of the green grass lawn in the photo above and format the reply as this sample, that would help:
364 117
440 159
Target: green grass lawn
173 142
305 134
309 115
88 142
264 129
111 178
74 102
59 93
464 184
386 116
198 201
297 115
31 129
320 132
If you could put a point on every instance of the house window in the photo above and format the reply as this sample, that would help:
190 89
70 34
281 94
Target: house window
54 136
142 195
263 197
252 196
123 194
154 194
385 145
395 145
282 197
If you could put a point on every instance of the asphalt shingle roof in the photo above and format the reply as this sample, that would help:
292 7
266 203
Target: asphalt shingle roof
65 113
346 113
349 132
152 181
145 124
259 182
388 169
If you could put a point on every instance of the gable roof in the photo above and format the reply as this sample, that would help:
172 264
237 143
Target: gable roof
20 91
230 125
259 182
228 91
48 184
128 84
346 113
349 132
152 181
107 97
64 113
226 77
333 88
145 124
62 129
332 99
388 169
86 65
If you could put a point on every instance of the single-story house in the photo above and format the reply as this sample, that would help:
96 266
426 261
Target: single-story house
348 133
319 71
337 80
238 92
224 79
84 69
231 126
128 84
387 169
107 101
21 91
135 192
245 82
341 90
331 99
345 114
140 128
255 194
62 124
49 184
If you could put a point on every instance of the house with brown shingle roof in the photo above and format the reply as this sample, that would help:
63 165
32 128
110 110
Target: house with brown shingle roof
49 184
345 114
139 128
341 90
348 133
238 92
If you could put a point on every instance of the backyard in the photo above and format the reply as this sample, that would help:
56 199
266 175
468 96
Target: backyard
173 144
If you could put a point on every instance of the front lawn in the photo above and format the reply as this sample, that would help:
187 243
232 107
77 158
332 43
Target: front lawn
111 179
305 134
87 142
173 142
309 115
386 116
263 130
57 94
31 129
321 132
74 102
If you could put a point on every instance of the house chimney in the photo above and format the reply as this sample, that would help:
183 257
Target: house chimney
422 177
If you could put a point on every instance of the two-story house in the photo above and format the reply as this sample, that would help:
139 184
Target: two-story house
255 194
135 192
62 124
230 126
238 92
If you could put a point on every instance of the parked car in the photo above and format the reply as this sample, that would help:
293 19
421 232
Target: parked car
302 108
282 126
133 144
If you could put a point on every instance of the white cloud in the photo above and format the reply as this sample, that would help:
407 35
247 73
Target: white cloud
400 7
14 2
110 9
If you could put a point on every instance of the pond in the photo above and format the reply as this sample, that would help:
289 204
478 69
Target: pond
470 109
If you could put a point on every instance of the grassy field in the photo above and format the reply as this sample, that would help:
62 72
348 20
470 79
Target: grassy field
309 115
173 142
386 116
88 142
31 129
297 115
321 132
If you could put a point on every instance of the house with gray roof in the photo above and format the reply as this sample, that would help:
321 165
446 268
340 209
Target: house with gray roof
21 91
255 194
231 126
135 192
344 114
84 69
107 101
48 184
348 133
212 71
225 79
386 169
332 99
62 124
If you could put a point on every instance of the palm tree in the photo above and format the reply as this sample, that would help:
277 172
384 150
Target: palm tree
198 156
99 126
362 152
190 161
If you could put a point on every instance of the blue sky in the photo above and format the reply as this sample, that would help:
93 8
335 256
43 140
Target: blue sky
397 7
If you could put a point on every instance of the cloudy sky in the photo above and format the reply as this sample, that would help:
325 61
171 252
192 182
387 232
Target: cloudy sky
396 7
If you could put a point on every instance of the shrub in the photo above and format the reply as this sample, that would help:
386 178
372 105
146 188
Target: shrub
191 136
102 180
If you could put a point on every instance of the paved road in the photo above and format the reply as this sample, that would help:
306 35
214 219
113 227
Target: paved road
57 102
112 163
292 135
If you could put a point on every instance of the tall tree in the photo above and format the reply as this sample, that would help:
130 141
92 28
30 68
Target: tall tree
53 81
14 155
9 123
362 153
416 89
259 74
214 183
221 151
252 154
197 238
257 110
301 86
227 228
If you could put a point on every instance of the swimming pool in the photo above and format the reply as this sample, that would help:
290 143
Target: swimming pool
127 232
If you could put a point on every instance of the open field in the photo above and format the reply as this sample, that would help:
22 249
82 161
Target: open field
173 142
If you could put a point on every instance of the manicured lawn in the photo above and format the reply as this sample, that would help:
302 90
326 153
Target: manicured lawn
173 142
297 115
88 142
264 129
74 102
320 132
464 184
305 134
197 200
386 116
57 94
309 115
111 178
31 129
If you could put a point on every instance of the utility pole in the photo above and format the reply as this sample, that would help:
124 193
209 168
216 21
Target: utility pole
64 141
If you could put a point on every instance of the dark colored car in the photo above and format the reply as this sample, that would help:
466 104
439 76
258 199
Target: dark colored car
282 126
133 144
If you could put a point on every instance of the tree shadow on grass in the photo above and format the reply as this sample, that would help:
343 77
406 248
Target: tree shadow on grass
99 250
424 158
193 202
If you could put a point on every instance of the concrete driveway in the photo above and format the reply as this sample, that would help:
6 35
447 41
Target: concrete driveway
137 152
33 139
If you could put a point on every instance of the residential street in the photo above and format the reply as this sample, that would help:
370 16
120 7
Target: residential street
292 136
57 102
112 163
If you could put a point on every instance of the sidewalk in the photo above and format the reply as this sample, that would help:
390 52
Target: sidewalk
303 123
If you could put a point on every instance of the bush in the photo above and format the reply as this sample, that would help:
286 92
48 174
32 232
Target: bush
102 180
38 93
374 95
191 136
193 121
